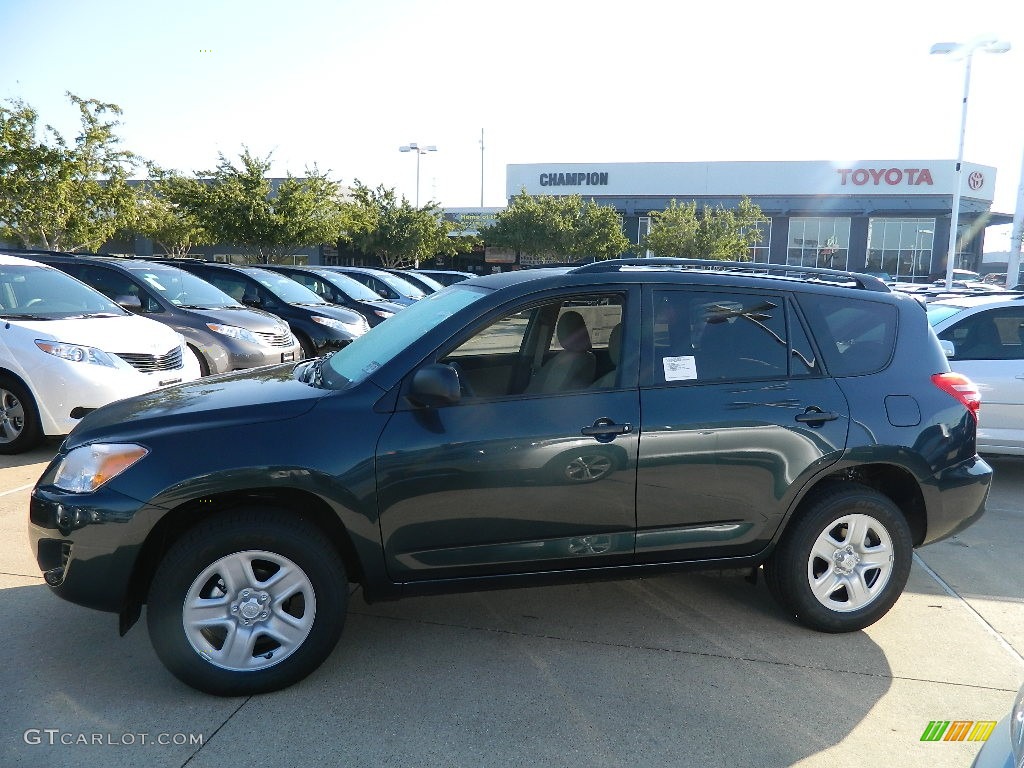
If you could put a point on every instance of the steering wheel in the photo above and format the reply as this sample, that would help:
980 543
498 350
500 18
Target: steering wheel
464 386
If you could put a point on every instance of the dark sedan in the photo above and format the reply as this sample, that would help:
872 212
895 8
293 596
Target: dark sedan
338 288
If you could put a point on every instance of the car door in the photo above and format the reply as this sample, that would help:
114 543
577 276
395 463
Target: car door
514 477
989 349
735 416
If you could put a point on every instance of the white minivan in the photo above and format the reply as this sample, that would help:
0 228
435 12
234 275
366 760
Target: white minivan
66 349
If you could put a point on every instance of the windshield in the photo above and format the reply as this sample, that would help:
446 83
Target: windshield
404 287
183 289
939 312
353 288
382 343
284 287
427 280
42 293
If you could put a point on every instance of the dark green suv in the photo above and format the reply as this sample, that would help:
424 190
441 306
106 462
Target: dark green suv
545 424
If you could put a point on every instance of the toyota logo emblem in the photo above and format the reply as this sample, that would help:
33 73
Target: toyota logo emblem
976 180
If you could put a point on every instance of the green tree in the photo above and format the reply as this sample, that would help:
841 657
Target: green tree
238 205
710 233
62 195
558 228
396 232
165 212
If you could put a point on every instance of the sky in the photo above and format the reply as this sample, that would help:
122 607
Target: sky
342 84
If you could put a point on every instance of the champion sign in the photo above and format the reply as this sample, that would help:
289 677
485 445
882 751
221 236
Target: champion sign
892 176
599 178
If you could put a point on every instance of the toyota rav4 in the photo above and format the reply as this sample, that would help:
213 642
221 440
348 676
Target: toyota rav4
617 418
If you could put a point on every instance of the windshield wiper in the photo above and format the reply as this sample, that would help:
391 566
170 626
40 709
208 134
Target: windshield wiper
24 317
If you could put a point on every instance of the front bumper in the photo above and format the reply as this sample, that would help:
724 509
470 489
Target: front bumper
86 545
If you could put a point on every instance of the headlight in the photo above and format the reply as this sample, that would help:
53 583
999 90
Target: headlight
243 334
330 322
88 467
76 353
1017 729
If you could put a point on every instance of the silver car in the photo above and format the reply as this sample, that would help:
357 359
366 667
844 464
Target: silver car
983 337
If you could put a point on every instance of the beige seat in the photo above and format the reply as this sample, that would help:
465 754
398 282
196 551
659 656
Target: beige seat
615 353
574 366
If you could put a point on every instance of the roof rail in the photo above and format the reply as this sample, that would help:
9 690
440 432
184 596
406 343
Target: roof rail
865 282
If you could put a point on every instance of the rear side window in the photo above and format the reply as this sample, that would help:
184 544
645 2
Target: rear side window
992 335
707 336
856 336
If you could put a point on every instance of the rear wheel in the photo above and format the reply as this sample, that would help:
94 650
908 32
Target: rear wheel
247 602
19 418
844 562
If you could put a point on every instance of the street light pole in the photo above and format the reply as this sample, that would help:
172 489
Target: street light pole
989 45
412 146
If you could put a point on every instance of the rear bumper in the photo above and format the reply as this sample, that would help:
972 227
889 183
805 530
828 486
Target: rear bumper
958 495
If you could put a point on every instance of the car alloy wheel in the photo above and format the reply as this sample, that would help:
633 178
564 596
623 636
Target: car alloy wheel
249 610
247 601
19 418
844 559
850 563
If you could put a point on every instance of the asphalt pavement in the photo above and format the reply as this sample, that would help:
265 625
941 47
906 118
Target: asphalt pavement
674 670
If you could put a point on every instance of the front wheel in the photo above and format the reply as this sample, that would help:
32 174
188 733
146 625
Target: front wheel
19 418
247 602
844 562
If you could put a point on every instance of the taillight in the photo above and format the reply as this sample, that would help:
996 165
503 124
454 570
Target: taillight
960 387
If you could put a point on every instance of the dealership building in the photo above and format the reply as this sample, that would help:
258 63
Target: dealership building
889 216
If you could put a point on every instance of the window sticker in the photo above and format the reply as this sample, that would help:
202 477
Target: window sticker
682 368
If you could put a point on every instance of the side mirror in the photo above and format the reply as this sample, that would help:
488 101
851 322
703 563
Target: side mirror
130 302
947 348
434 385
252 300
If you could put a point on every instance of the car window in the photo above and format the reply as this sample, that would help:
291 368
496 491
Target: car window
233 285
381 344
37 292
856 336
996 334
115 285
284 287
564 345
352 288
702 336
181 288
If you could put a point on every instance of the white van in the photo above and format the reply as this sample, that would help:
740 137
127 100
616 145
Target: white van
66 349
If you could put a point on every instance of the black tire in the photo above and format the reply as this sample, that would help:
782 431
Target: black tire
862 579
20 430
208 632
204 367
308 350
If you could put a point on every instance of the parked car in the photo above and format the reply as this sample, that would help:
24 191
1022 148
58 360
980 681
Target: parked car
66 349
386 285
1004 748
319 327
337 288
445 276
425 283
222 334
517 428
983 336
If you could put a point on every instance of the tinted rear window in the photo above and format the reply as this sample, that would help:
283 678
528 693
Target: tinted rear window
855 336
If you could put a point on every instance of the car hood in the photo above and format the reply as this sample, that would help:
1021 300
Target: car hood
250 319
384 304
128 333
245 397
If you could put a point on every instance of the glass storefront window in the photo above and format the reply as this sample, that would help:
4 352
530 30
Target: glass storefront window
818 241
758 252
901 248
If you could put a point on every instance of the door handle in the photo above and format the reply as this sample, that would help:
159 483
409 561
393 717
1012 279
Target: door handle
606 428
815 416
